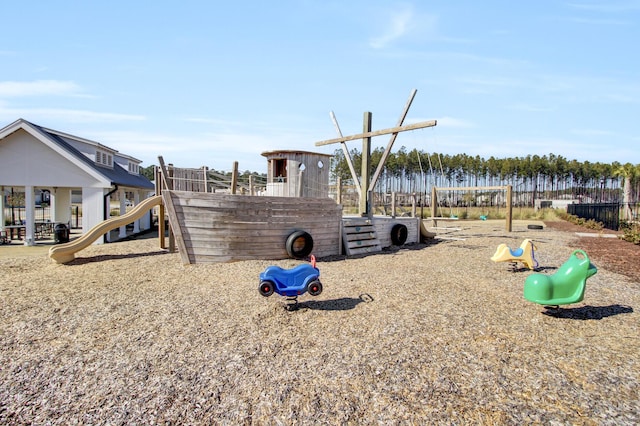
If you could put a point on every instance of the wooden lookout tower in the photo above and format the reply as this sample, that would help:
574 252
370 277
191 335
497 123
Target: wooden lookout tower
297 174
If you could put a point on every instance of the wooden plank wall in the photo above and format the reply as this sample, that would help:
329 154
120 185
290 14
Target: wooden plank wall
188 179
315 179
383 227
225 228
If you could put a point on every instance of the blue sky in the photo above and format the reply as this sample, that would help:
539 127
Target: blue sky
212 82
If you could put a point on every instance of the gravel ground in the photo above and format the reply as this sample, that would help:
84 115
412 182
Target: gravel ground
428 334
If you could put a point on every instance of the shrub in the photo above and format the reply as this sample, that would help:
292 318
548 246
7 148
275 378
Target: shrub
631 233
631 236
590 223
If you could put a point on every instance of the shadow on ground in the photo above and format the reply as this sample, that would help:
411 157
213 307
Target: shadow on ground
102 258
588 312
342 304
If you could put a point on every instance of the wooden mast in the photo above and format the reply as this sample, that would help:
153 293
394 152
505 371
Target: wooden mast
366 184
364 207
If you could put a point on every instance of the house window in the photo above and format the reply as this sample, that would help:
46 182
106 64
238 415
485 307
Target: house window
104 159
134 168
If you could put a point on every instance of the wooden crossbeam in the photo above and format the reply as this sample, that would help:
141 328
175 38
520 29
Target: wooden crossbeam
398 129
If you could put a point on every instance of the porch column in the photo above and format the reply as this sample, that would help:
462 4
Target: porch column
29 204
93 206
136 200
2 218
60 205
123 210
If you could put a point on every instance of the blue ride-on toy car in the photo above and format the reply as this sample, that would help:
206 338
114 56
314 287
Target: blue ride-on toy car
291 282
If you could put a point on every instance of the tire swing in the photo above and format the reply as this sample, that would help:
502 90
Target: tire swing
399 234
299 244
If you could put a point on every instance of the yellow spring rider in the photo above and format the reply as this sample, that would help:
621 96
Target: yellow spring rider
523 254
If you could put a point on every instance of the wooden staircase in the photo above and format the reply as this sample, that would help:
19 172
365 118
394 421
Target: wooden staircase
359 236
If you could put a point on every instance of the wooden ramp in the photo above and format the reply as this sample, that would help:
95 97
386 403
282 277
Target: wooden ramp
359 236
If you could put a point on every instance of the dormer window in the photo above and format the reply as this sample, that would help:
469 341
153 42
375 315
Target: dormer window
134 168
103 158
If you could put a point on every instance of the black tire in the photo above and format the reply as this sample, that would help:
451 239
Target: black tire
266 288
535 226
299 244
314 287
399 234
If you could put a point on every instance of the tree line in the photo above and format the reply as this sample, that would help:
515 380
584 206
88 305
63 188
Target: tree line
549 176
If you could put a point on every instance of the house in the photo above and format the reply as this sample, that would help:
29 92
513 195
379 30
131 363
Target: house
37 160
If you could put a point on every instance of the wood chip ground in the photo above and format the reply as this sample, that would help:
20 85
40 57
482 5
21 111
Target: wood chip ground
428 334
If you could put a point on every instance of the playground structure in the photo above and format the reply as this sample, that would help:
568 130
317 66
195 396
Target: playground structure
218 227
225 227
65 253
523 254
564 287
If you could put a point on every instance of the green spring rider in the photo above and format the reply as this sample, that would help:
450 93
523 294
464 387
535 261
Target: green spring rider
564 287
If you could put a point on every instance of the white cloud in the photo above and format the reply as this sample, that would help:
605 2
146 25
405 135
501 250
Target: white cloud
401 23
215 150
39 88
66 115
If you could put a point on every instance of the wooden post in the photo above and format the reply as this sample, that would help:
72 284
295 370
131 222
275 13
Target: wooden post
299 188
161 213
234 177
252 190
205 169
393 205
509 213
434 202
364 207
414 197
167 174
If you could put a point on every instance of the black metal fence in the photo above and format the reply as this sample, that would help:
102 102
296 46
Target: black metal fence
606 213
